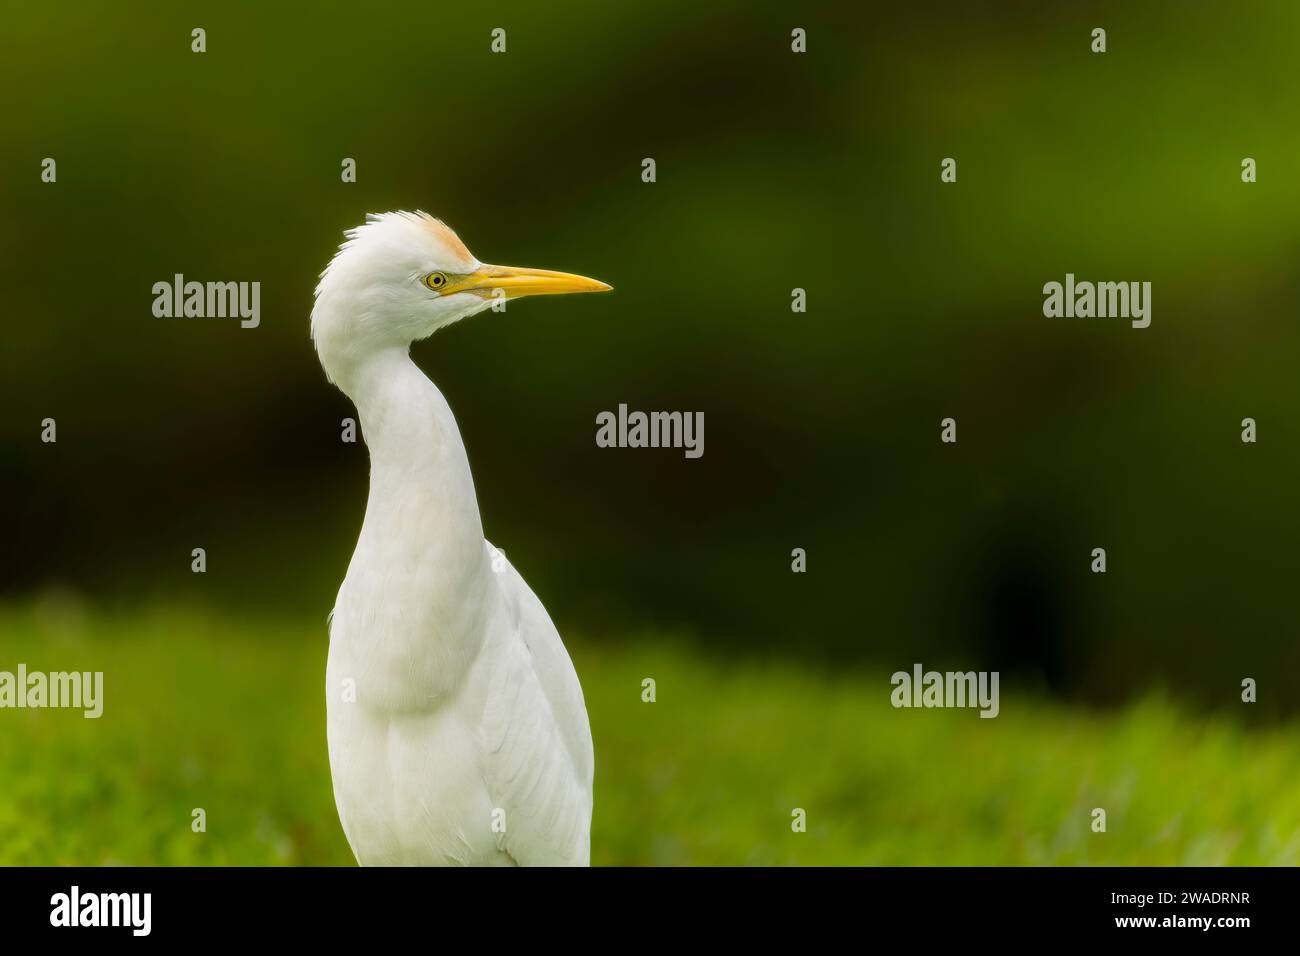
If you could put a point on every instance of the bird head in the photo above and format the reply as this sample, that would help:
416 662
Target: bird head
402 276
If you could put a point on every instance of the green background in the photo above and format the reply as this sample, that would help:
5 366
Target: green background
775 171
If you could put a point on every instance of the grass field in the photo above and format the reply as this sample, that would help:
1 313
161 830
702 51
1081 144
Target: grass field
228 715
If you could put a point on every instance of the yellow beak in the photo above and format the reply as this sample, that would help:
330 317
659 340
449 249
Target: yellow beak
514 282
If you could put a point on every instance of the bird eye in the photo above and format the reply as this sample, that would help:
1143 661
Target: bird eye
435 280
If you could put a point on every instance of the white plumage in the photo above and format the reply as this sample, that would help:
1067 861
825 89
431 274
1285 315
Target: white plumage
456 723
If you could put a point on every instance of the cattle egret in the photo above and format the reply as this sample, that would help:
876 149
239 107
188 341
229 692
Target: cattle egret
456 724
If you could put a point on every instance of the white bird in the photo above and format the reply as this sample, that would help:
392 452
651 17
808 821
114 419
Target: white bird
457 728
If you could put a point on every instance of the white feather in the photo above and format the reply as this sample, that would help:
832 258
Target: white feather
456 723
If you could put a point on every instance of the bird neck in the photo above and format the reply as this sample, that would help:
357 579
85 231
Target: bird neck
404 418
422 514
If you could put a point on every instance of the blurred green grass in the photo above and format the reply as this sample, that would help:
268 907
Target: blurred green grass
214 711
